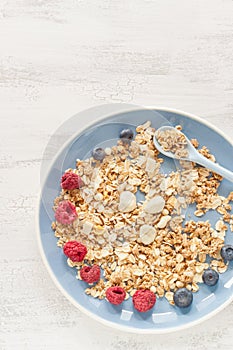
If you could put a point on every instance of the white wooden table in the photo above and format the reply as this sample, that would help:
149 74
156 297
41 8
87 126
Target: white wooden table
58 57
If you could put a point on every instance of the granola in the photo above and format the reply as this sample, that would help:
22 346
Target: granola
145 244
172 140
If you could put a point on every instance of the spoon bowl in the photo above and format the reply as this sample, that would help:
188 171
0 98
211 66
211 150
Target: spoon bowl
192 154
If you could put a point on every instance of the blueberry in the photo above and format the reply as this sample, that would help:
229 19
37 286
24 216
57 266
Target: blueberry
183 297
126 135
98 154
227 252
210 277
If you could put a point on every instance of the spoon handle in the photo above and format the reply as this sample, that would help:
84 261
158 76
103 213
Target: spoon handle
227 174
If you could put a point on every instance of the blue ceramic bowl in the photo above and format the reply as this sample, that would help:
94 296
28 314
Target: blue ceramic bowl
163 318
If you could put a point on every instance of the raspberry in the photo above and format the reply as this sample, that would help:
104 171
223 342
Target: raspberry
70 181
144 300
90 274
115 295
76 251
65 213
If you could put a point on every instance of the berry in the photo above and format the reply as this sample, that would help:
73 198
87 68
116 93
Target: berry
65 213
210 277
126 135
183 297
71 181
90 274
144 300
76 251
227 252
98 154
115 295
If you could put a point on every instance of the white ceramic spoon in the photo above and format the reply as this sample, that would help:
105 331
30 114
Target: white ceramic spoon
193 156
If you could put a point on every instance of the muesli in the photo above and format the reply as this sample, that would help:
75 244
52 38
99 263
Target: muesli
144 248
172 140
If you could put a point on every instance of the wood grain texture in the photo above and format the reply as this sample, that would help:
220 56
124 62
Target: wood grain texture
58 57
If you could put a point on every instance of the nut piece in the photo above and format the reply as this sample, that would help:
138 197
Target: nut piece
127 202
147 234
150 165
163 221
155 205
87 227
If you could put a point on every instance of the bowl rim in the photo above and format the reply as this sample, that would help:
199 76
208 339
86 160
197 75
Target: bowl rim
56 281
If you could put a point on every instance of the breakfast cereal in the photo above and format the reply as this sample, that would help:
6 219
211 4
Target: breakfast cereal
150 244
